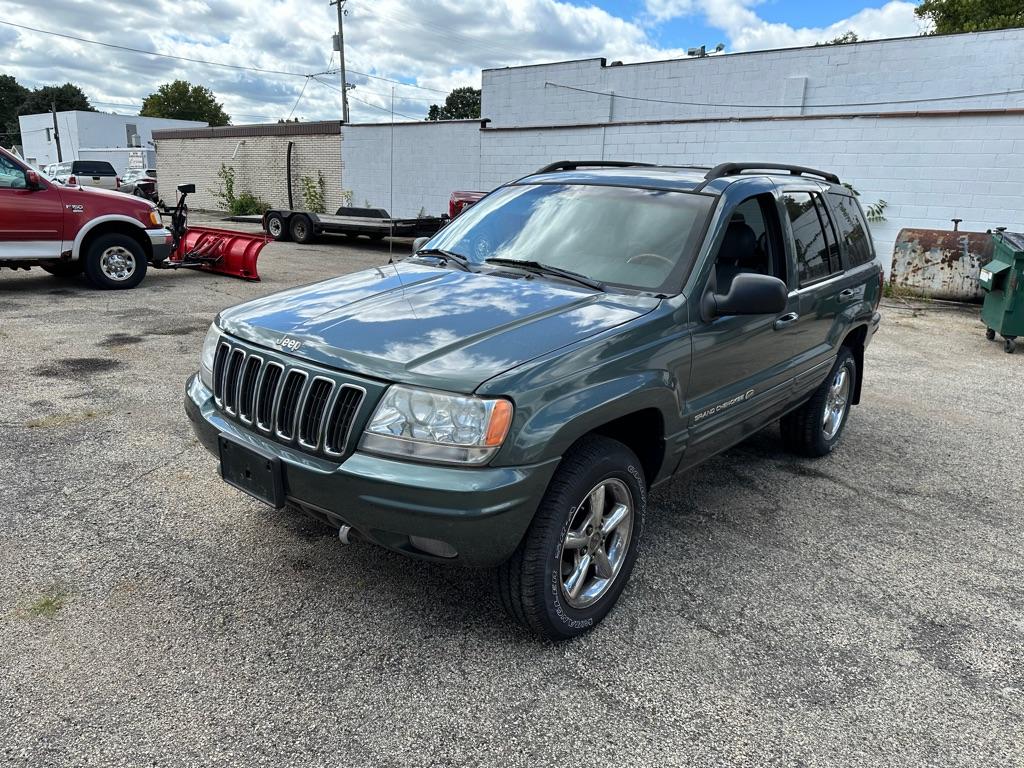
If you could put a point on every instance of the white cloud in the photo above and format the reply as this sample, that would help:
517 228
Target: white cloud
438 44
747 31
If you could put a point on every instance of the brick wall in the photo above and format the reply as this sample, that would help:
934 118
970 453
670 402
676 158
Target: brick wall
431 160
259 162
780 82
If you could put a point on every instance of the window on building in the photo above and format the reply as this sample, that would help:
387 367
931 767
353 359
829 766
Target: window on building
131 131
853 230
817 252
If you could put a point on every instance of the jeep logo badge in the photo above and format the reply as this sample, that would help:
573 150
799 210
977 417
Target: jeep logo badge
292 345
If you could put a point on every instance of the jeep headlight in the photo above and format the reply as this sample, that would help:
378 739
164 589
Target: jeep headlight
437 426
209 355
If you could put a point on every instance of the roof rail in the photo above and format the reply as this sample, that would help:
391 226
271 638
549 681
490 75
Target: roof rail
572 165
734 169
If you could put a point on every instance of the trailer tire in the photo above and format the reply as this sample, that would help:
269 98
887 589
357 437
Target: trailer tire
277 227
301 229
115 262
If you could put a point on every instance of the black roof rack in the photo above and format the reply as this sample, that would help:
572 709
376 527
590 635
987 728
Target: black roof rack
572 165
734 169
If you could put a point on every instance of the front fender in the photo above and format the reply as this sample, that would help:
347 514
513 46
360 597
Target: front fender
93 223
553 424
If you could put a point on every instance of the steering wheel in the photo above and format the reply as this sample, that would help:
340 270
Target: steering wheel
651 257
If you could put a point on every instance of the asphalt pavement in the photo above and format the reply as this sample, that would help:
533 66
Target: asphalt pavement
864 609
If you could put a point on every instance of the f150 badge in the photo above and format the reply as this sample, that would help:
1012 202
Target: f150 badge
292 345
75 207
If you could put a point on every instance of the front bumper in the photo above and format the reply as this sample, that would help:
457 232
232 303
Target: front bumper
160 240
480 512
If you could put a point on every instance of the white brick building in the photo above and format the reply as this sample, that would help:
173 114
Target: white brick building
259 156
880 114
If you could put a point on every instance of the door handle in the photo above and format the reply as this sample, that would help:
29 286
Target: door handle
847 294
787 319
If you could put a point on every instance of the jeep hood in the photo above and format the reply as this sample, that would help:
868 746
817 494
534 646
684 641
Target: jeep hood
436 327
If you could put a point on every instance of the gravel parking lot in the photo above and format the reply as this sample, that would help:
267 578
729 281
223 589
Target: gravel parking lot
863 609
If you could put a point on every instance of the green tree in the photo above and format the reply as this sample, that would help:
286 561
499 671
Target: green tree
183 101
460 104
847 37
951 16
12 96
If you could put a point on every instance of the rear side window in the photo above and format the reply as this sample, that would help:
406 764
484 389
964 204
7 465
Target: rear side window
853 230
817 255
93 168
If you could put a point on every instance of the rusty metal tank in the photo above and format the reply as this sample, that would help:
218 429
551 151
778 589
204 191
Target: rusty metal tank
941 264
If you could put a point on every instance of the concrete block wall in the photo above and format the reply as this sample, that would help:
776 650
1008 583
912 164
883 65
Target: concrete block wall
929 169
779 82
428 161
260 164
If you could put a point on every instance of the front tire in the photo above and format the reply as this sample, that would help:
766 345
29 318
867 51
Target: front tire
115 262
814 428
576 557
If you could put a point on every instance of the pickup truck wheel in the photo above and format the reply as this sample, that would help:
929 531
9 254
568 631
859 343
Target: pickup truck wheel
276 227
115 262
576 557
64 268
301 229
814 428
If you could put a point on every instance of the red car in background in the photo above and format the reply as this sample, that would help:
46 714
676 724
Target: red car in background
460 201
110 236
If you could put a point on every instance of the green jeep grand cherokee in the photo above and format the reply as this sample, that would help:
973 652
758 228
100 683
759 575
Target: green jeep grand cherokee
509 394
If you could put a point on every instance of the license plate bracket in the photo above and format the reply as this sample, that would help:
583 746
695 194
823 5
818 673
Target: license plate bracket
257 474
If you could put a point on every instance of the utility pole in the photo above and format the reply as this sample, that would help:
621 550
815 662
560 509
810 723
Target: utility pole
56 133
339 46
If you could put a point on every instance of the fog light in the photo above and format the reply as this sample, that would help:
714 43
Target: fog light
433 546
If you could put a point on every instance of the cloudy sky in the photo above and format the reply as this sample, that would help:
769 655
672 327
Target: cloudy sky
419 48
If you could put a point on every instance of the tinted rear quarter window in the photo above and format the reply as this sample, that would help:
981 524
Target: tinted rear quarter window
93 168
816 253
853 229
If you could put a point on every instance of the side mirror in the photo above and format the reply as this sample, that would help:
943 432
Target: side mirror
749 294
418 243
187 189
32 180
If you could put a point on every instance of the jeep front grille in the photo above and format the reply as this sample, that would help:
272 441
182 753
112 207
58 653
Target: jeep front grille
292 404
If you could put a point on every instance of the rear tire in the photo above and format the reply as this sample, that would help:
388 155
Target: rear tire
302 229
1009 346
115 262
65 268
277 228
815 428
575 559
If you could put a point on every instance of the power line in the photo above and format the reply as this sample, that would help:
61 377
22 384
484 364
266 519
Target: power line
153 53
362 101
379 77
777 106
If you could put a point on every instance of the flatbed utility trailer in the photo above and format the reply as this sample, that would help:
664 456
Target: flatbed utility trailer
374 223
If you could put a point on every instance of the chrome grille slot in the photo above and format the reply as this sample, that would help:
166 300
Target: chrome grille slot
288 404
218 371
339 423
231 376
313 411
247 387
267 395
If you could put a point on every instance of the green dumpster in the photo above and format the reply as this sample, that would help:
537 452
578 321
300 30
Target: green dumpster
1002 279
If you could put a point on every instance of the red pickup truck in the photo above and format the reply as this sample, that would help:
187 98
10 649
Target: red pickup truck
110 236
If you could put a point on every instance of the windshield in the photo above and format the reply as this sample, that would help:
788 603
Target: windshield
637 238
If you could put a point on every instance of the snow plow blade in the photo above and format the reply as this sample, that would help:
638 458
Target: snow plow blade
223 251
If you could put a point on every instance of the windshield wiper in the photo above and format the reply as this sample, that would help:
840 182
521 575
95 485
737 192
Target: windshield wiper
547 269
446 257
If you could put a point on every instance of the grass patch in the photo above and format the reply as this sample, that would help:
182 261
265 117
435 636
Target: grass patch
47 606
61 420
